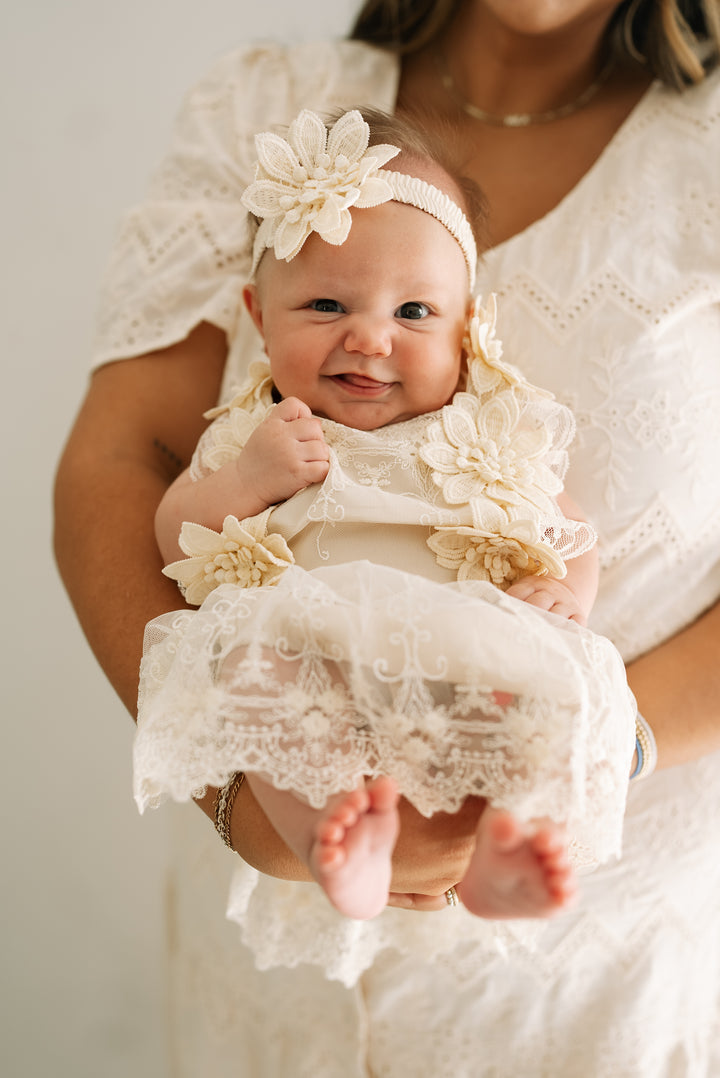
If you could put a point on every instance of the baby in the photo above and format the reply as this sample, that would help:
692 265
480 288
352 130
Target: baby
379 366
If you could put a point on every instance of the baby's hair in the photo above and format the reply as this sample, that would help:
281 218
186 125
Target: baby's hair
440 145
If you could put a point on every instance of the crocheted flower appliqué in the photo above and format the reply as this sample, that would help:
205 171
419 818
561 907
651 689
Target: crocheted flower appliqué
498 450
308 182
501 558
234 422
253 396
486 370
481 450
242 553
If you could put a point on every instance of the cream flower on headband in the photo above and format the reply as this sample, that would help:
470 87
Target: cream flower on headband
308 182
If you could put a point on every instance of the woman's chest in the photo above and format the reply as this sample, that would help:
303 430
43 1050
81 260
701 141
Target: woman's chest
630 342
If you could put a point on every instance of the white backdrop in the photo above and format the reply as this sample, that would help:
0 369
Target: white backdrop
89 90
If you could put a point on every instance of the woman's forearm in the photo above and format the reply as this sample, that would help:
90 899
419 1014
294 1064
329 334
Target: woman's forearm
677 687
136 428
107 555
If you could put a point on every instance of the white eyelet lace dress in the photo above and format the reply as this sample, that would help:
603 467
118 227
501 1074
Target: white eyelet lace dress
612 302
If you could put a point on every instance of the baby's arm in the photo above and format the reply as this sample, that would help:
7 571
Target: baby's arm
285 454
572 597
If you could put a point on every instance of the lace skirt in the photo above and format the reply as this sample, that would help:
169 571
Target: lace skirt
358 670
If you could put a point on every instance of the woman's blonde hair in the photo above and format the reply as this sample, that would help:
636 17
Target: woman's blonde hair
678 40
403 25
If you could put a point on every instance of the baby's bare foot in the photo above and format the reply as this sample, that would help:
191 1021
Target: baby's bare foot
351 854
517 870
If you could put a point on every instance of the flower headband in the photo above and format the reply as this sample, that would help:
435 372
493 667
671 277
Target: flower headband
308 182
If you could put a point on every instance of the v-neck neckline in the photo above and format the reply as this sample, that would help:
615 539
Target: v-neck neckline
578 189
585 180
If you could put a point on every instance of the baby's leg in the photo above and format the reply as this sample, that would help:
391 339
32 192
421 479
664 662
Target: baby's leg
347 845
517 870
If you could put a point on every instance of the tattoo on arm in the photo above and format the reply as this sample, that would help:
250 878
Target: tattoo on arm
171 462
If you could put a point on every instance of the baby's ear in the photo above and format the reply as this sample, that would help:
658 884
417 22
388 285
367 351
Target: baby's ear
252 302
463 374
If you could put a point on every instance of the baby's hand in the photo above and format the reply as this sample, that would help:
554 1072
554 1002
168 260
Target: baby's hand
285 454
547 593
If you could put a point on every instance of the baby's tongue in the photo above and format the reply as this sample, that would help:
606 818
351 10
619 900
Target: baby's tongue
361 380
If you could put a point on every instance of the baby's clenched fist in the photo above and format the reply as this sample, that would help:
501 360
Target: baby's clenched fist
285 454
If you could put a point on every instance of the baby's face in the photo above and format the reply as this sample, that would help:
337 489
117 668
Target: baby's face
370 332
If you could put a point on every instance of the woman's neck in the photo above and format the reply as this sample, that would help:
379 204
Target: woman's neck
502 68
524 171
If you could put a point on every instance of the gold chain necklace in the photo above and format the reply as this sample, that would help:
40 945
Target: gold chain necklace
519 119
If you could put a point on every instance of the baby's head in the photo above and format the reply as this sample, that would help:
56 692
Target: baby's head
363 273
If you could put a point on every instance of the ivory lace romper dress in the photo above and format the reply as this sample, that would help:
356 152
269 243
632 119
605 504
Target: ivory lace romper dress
361 627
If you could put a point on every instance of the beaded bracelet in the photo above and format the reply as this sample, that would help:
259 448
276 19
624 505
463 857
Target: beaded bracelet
223 806
645 748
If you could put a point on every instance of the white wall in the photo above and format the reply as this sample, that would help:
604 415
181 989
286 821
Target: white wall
89 89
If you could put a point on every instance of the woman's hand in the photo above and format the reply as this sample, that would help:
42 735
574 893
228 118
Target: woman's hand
430 856
418 902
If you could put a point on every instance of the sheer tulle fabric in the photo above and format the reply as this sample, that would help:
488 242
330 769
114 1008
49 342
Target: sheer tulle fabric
359 670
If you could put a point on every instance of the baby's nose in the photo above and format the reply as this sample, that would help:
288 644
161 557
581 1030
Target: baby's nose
369 336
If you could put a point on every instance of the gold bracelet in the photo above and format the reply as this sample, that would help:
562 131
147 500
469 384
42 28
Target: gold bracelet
223 806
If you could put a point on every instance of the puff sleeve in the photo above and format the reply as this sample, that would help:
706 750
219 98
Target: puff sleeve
182 256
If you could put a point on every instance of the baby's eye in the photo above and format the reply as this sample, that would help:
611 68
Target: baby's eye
412 310
326 306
